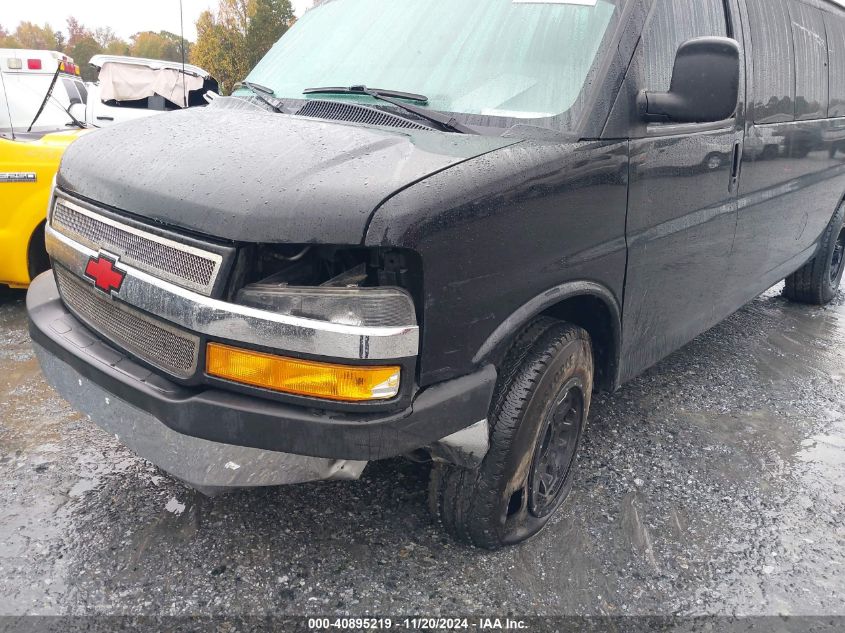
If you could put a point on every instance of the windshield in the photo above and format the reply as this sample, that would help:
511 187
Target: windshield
525 59
22 95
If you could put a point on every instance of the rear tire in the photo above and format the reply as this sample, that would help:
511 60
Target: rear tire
537 416
37 259
818 281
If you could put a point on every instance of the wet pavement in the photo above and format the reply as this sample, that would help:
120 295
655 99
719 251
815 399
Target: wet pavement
713 484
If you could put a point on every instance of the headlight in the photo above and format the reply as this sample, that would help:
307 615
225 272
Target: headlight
368 307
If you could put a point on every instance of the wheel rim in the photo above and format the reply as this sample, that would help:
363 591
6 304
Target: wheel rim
714 162
838 257
555 451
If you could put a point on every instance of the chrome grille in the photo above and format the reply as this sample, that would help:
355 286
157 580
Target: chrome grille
178 263
155 342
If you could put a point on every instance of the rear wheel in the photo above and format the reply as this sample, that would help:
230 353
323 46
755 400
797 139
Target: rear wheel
37 259
537 417
818 281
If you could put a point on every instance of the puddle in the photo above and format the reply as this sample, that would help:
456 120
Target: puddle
711 484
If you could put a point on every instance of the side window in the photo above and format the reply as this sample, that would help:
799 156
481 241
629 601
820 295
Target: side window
836 49
808 35
72 92
83 91
672 23
774 63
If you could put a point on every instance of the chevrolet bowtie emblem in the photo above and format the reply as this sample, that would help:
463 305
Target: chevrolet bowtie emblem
102 271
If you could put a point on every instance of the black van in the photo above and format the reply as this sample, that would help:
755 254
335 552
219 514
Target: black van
433 227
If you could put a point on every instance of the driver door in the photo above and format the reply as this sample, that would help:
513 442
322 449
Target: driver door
682 209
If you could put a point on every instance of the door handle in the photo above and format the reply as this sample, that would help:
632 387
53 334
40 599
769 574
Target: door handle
735 165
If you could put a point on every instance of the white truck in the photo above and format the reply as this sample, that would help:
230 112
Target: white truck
131 88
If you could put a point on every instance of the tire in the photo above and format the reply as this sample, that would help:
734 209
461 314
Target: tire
537 417
818 281
37 259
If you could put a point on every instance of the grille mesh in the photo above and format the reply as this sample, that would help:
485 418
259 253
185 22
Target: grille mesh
167 348
144 251
336 111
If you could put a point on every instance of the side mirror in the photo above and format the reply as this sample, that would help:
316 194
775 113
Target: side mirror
77 110
705 84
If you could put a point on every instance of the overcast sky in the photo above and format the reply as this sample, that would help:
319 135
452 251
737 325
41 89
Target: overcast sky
124 17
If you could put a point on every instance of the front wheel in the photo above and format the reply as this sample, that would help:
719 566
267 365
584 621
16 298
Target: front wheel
818 281
537 417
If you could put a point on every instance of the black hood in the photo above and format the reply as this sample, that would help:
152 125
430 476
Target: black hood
258 176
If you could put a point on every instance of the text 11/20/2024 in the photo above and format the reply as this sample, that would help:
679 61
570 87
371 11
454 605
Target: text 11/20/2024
417 624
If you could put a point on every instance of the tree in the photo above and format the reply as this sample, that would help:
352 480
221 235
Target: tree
269 21
82 53
231 41
216 52
30 35
104 36
75 32
7 40
161 45
109 42
174 46
117 47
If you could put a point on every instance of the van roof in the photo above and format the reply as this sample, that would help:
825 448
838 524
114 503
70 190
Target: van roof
31 60
97 61
837 5
33 52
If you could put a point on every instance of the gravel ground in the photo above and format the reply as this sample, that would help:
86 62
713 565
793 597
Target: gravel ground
713 484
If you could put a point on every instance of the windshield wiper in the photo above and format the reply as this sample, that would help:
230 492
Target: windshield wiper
446 123
259 91
46 97
351 90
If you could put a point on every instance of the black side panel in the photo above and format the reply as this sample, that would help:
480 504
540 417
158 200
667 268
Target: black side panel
808 34
773 72
835 26
792 176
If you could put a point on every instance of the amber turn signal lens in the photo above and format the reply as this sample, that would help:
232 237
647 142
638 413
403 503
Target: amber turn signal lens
302 377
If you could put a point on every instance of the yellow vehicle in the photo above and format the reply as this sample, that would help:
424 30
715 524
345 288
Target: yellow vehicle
37 89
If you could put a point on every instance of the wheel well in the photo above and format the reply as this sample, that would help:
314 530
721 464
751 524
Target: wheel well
592 314
36 257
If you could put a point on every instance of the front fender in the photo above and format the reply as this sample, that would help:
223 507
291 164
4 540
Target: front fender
607 338
25 202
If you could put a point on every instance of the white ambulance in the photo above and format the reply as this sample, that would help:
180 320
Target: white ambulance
26 78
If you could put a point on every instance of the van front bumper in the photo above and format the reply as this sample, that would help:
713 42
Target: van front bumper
211 437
